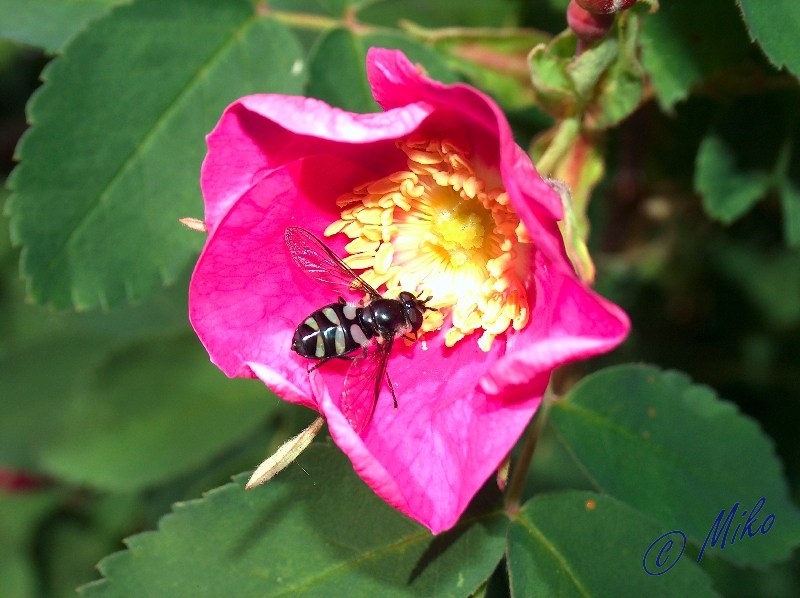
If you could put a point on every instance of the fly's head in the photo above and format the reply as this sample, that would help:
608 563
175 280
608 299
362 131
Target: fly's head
414 309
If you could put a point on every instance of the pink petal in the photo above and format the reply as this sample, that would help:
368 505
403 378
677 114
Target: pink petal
246 296
568 322
431 455
461 410
396 82
259 133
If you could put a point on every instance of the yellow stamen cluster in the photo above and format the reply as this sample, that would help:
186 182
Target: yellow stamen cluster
436 229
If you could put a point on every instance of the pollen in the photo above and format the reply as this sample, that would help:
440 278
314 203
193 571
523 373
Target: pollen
440 229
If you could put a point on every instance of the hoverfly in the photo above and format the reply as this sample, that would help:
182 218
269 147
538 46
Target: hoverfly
340 329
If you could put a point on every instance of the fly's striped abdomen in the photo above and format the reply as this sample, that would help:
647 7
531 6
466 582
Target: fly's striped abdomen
331 331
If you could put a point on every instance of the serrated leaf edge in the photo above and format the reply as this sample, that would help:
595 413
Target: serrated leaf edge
163 276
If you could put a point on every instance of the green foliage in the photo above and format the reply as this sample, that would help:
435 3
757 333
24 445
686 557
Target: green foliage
120 418
602 84
476 53
96 205
314 530
750 153
20 515
119 433
48 24
558 547
120 402
679 51
686 467
770 279
773 26
344 83
677 138
467 13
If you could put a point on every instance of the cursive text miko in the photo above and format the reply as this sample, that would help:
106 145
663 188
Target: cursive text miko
721 527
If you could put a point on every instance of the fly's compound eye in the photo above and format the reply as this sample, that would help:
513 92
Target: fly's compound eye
414 316
406 298
413 309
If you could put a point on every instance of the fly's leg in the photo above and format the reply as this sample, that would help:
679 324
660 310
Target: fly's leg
349 357
319 363
327 359
391 388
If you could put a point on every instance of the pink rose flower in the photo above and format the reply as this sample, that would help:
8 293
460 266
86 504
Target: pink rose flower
430 196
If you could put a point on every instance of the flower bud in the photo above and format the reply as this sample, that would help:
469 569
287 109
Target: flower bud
605 7
588 26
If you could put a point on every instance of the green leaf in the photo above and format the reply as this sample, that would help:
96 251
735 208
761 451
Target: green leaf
587 68
586 544
676 452
678 50
20 519
150 412
24 324
769 277
774 25
620 90
64 376
744 582
113 158
465 13
90 412
334 8
496 60
48 24
6 251
728 192
35 383
337 71
749 154
85 530
433 63
789 191
554 88
315 530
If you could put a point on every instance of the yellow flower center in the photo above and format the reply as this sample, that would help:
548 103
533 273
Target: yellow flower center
435 229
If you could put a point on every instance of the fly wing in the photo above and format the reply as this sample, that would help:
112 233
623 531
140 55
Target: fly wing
316 259
362 384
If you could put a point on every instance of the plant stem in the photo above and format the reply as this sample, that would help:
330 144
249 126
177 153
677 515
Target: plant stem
304 20
520 470
567 131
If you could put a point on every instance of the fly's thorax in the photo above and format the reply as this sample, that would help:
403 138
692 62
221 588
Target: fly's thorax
384 317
